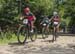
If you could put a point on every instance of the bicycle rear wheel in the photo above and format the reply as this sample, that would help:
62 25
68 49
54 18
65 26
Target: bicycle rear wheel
54 35
22 34
44 33
34 34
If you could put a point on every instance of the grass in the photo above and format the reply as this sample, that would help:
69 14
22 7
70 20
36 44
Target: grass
7 40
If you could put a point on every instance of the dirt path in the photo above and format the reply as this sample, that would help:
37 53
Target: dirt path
63 45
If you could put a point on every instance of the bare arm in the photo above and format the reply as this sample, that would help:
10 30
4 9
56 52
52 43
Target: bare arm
51 19
34 17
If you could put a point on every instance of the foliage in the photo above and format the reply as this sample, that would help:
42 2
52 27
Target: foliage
10 10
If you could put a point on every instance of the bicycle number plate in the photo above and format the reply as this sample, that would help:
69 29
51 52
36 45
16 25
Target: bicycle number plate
44 24
56 23
25 21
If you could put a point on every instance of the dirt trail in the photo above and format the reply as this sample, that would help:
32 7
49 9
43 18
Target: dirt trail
63 45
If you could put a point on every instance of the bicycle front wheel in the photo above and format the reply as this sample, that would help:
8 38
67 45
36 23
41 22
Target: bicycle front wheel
43 33
22 34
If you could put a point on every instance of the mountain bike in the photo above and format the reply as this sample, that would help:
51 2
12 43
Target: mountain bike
45 30
24 33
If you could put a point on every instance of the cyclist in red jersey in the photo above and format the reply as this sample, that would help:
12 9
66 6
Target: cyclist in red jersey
28 15
56 21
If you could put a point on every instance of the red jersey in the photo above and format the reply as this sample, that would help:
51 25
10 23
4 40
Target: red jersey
56 19
29 16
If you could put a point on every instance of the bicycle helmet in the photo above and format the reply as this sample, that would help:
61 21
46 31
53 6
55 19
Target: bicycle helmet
55 13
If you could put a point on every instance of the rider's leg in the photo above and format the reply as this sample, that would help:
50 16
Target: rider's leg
47 27
54 33
32 26
57 28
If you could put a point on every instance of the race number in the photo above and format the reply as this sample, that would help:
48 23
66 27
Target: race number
25 21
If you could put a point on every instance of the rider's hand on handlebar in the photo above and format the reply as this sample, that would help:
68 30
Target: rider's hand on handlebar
21 18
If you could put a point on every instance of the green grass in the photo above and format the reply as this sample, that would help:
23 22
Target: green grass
10 38
6 40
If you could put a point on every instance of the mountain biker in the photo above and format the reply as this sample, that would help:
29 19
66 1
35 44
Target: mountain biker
46 21
28 15
56 21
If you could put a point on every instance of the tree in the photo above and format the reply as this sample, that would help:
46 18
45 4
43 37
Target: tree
69 7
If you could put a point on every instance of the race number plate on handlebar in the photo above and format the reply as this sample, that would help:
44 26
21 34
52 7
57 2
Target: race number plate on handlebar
25 21
44 24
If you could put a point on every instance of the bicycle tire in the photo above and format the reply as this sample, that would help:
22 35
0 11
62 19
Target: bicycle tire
43 33
19 34
32 35
54 35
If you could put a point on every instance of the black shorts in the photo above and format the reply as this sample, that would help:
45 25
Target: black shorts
55 25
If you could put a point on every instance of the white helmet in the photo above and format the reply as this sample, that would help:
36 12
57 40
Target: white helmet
55 13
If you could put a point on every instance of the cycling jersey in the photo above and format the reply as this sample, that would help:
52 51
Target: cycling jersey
56 19
45 20
29 16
